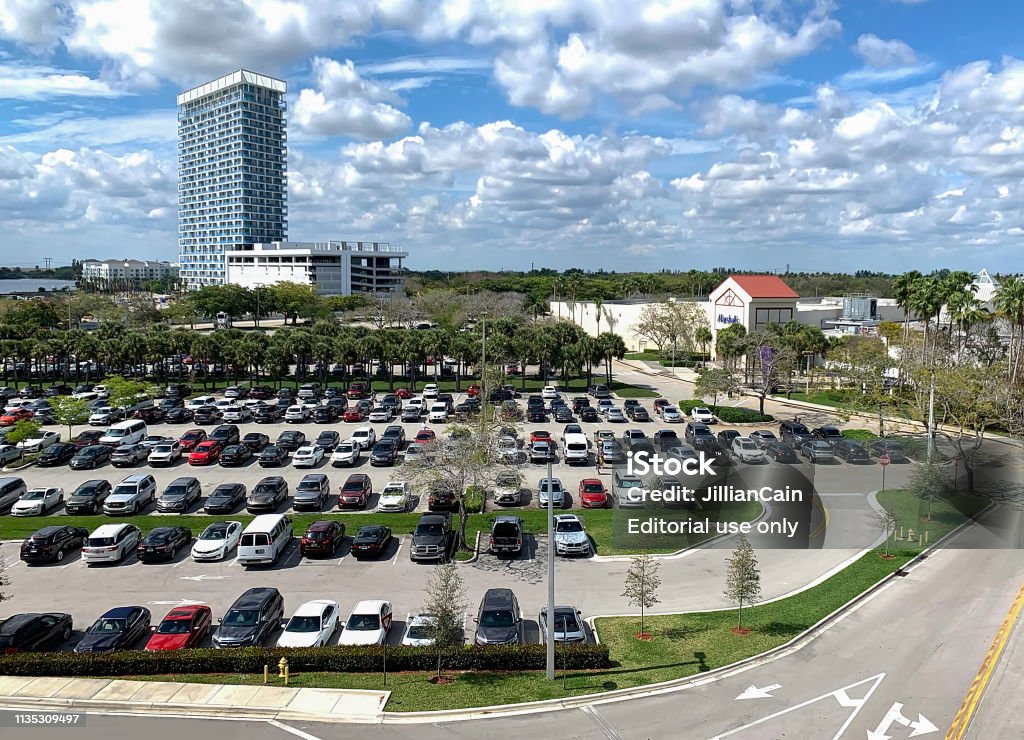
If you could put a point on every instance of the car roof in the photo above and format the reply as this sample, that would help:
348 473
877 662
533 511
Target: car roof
314 608
254 597
185 611
497 598
370 606
120 612
109 530
320 525
184 480
507 518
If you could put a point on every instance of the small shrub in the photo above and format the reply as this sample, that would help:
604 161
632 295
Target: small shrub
738 415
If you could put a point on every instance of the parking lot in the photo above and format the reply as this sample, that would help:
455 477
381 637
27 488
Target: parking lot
87 592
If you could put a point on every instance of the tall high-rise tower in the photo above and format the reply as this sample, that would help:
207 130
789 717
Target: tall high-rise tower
232 169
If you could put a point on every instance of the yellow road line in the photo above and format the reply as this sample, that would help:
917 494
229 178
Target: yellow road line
974 694
824 523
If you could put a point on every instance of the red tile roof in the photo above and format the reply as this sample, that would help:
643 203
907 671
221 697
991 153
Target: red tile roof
764 286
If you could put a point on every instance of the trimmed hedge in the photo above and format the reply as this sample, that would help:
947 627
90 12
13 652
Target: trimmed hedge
338 658
727 414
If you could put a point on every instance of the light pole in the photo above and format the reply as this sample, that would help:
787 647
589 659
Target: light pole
483 359
931 417
551 578
257 287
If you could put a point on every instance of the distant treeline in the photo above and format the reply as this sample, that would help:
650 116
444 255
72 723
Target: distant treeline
66 272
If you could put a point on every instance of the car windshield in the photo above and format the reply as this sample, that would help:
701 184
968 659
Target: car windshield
163 448
363 622
423 631
109 626
506 529
222 492
429 530
242 617
174 627
593 488
569 526
114 433
265 488
303 624
497 618
173 490
125 491
353 486
748 446
34 495
192 435
215 533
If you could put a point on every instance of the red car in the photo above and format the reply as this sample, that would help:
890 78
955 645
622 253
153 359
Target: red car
191 438
15 416
357 391
659 404
473 390
593 494
353 414
403 393
183 627
356 491
322 537
423 436
205 453
541 435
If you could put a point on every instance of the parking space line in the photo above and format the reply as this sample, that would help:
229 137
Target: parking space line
394 560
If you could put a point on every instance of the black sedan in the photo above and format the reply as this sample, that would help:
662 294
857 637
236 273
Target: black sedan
589 415
324 414
179 415
58 454
850 451
370 541
273 457
890 447
88 498
384 453
537 416
266 414
51 544
119 629
88 458
255 441
162 543
206 415
327 441
235 455
86 438
782 452
225 498
290 440
563 415
27 632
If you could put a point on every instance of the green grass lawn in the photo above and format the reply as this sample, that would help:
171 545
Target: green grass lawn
946 514
682 645
860 435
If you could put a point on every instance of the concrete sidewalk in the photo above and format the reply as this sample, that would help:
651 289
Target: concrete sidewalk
195 699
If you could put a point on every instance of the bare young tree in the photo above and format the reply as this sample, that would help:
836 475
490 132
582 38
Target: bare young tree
642 583
742 578
886 524
445 606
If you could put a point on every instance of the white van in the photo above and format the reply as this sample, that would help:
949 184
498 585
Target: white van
264 539
575 449
129 432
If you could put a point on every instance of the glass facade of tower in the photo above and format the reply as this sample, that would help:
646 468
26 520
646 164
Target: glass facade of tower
232 170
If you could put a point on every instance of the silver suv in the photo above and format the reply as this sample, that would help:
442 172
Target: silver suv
131 495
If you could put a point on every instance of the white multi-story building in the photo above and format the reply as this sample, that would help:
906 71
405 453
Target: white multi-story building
333 268
232 167
113 274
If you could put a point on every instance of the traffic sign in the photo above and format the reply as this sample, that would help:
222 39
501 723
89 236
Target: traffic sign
883 460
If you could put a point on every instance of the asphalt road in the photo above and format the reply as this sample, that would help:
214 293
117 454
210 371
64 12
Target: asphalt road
900 666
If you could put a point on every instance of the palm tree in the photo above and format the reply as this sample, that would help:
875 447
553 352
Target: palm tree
1009 302
903 288
535 304
598 309
614 348
704 337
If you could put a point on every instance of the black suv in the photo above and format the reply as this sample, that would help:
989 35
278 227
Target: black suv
506 535
394 433
794 432
51 544
252 619
226 434
498 621
696 431
88 498
431 540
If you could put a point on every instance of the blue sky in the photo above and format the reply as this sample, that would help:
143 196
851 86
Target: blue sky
646 135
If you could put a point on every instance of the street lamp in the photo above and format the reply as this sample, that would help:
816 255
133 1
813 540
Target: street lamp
551 578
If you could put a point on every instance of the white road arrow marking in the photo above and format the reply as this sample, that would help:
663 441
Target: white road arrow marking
840 695
752 692
895 714
923 726
203 577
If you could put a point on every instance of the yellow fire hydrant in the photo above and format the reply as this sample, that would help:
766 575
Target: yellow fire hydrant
282 667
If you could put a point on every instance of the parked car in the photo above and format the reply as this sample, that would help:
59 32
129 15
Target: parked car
183 627
164 453
111 543
266 414
762 438
593 494
88 498
368 624
131 495
162 543
726 436
506 535
322 537
307 456
179 495
568 625
312 492
508 488
252 620
550 488
190 439
385 452
234 456
217 541
255 441
370 540
87 438
207 415
660 404
225 498
237 414
118 629
498 619
125 456
57 454
432 538
419 630
23 633
38 501
599 390
794 432
850 451
782 452
827 433
394 497
702 414
50 544
267 495
40 441
273 457
205 453
313 625
570 535
355 492
817 450
890 447
671 415
746 450
290 440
